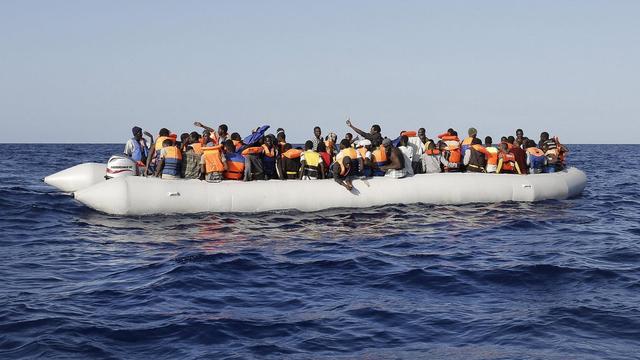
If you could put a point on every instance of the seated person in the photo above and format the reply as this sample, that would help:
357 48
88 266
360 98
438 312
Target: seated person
253 169
507 163
343 173
289 162
235 162
214 163
431 158
396 167
191 163
475 156
170 163
363 147
536 161
311 164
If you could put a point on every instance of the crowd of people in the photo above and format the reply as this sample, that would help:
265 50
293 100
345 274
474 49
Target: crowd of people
216 155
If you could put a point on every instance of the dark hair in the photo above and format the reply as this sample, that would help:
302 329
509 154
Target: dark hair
348 135
530 143
228 145
167 142
488 140
317 127
184 137
404 139
476 141
503 139
511 139
345 143
164 132
235 136
423 130
224 128
544 135
287 146
376 127
308 145
454 133
322 147
450 131
519 130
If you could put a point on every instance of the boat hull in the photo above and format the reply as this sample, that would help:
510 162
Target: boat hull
135 195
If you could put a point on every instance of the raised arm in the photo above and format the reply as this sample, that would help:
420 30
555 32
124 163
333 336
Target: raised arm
358 131
201 125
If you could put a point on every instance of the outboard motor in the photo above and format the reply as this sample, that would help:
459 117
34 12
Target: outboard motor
120 165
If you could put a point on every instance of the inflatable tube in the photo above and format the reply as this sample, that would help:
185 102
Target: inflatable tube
134 195
77 177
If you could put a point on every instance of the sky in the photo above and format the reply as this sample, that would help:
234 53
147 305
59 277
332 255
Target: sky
88 71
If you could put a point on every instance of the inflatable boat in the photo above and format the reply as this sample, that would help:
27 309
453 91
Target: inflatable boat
136 195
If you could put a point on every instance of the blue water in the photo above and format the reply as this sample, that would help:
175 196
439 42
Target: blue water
551 280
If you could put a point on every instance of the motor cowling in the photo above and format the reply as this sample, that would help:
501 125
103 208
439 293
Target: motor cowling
120 165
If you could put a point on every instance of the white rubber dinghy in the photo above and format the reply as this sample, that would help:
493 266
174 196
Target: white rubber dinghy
134 195
77 177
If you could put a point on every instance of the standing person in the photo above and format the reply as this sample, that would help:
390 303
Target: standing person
349 136
520 137
374 134
317 137
466 143
170 163
396 167
281 141
216 138
137 148
507 163
407 154
311 164
214 163
492 158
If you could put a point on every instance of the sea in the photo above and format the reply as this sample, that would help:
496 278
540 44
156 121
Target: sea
546 280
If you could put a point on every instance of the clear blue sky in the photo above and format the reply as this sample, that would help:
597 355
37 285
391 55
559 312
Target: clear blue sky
87 71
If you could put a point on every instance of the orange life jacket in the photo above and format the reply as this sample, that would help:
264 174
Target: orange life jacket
410 133
455 155
255 150
237 144
159 141
492 158
379 156
235 167
535 151
212 159
432 151
292 153
363 152
350 152
508 161
197 148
